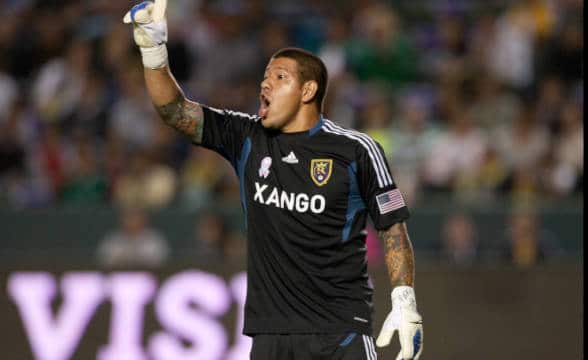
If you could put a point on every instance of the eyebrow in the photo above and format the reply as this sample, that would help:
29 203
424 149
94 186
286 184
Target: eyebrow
278 68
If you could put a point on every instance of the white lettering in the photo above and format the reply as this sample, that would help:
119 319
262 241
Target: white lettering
129 293
301 203
242 346
287 200
259 192
283 200
175 311
273 198
188 307
313 204
55 338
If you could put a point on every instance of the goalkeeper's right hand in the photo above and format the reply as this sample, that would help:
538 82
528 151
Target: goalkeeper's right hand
150 31
404 318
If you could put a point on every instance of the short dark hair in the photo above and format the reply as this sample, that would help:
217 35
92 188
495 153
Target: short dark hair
310 67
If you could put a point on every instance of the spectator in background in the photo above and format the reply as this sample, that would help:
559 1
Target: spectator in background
8 93
550 99
528 244
58 88
212 237
134 244
131 117
227 192
446 46
381 51
563 52
13 188
493 106
522 146
115 164
523 187
48 157
229 36
90 115
523 143
455 155
411 140
512 51
568 171
65 73
460 244
274 35
12 151
333 51
481 34
84 184
343 86
115 48
27 167
490 179
200 176
376 114
145 183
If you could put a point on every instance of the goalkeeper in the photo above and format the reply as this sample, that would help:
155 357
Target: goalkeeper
308 295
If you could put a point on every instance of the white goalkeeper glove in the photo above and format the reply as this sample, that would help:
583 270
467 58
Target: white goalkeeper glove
404 318
150 31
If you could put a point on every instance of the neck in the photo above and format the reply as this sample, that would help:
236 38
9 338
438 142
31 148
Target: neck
304 120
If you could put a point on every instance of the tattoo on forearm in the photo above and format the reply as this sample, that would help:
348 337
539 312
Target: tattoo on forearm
185 116
399 255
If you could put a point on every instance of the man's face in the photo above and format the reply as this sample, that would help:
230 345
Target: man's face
281 93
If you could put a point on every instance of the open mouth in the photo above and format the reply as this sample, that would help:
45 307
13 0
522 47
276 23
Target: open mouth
264 103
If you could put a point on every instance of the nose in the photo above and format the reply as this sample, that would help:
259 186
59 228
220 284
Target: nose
265 85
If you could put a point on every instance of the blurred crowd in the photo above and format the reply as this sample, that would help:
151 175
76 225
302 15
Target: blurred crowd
473 101
137 242
477 100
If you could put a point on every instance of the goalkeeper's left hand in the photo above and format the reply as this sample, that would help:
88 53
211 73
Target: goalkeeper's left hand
150 31
404 318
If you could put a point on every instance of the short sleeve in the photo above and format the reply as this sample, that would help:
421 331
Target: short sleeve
225 131
383 199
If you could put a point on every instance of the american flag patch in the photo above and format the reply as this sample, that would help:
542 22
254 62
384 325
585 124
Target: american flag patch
390 201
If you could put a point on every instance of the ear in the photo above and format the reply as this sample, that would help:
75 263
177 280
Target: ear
309 90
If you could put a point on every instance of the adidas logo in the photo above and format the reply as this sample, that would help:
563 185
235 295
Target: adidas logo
290 159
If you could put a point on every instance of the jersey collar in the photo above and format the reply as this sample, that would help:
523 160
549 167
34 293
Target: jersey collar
317 127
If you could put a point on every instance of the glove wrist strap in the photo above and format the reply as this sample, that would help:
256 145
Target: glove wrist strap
404 297
154 57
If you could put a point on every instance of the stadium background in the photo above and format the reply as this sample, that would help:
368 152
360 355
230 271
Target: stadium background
478 104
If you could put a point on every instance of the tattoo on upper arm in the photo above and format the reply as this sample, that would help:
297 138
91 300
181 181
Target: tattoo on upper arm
399 255
185 116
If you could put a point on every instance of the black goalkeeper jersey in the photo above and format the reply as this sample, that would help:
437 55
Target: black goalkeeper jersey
306 198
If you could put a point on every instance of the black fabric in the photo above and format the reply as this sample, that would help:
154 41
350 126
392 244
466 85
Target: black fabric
349 346
306 262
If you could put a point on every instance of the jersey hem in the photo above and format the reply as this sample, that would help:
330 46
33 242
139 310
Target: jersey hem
254 329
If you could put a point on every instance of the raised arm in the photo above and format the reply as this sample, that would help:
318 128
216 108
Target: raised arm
150 34
176 111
